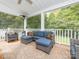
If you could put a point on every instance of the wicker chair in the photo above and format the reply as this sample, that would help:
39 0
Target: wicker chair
74 48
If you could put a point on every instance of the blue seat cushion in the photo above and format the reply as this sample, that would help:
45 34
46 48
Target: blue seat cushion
46 33
12 36
26 37
43 42
36 37
39 33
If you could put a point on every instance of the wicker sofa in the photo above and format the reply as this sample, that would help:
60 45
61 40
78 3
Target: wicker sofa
44 39
74 48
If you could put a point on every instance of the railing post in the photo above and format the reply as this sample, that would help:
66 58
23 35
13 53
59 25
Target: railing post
67 41
75 35
71 33
62 35
78 34
57 36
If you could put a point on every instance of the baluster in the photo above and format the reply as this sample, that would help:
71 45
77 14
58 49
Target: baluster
71 34
75 35
60 39
57 36
62 35
65 36
78 34
67 40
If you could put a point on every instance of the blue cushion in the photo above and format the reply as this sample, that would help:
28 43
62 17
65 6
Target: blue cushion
43 41
36 37
26 37
46 33
39 33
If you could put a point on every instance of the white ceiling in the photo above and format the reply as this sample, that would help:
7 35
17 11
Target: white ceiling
38 6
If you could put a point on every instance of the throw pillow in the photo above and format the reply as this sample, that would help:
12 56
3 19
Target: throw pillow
30 33
76 41
49 36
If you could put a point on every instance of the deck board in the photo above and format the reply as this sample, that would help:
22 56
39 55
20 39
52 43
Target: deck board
29 51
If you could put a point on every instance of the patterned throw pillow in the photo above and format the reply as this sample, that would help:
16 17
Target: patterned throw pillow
76 41
30 33
49 36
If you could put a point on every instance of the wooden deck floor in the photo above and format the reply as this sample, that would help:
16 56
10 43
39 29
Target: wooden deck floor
61 52
22 51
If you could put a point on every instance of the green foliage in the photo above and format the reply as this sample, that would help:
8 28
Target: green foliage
11 21
67 17
64 18
34 22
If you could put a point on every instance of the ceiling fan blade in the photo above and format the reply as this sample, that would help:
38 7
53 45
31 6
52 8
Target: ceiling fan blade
19 1
29 1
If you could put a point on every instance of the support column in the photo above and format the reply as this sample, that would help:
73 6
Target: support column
25 23
42 21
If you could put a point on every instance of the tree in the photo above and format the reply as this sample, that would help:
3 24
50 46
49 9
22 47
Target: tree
11 21
34 22
63 18
67 17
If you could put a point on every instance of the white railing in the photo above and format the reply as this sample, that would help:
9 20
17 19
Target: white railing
2 34
62 36
3 31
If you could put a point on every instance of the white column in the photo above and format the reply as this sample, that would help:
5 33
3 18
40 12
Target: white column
42 21
25 23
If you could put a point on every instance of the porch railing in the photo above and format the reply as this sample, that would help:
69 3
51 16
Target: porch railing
2 34
62 36
3 31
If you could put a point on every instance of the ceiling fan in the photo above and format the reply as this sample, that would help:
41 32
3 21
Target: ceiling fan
29 1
